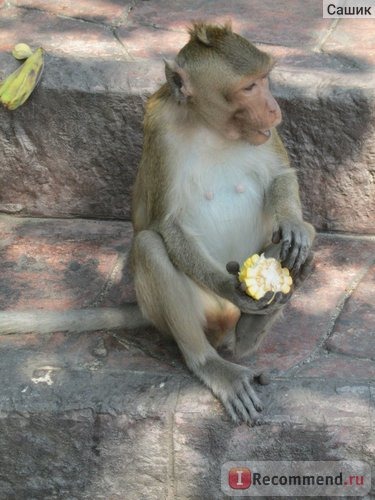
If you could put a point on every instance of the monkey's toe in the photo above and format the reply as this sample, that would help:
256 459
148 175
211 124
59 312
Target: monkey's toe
262 379
243 405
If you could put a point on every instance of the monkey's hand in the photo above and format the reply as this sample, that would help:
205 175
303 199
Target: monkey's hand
295 237
268 304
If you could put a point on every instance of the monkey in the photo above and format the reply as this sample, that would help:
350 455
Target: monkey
214 185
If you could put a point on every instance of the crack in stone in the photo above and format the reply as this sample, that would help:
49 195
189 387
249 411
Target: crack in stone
319 46
171 486
321 345
118 40
120 262
328 351
72 18
109 27
159 28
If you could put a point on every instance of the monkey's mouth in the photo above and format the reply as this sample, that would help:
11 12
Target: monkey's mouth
266 133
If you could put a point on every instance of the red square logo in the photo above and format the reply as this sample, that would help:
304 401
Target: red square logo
239 478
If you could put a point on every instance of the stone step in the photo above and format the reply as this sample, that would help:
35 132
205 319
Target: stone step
73 149
114 415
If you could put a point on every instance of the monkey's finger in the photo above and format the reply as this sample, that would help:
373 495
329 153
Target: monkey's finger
253 415
231 411
258 405
306 269
264 301
302 256
233 267
285 296
293 254
276 236
278 301
249 405
241 410
278 297
286 244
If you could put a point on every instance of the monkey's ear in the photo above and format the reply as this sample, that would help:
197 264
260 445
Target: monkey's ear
178 81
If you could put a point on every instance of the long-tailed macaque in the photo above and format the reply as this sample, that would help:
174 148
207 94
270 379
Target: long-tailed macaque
214 186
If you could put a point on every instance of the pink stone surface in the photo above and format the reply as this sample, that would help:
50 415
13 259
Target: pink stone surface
57 265
334 367
144 425
146 42
260 21
353 38
57 35
102 11
308 317
354 331
66 264
319 62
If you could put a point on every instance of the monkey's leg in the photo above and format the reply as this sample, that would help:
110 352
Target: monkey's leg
174 304
250 331
221 317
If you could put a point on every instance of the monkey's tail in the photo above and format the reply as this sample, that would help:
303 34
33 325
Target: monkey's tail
74 321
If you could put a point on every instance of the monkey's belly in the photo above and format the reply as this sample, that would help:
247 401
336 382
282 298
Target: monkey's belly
229 222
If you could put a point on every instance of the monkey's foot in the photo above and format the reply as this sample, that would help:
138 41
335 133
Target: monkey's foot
231 384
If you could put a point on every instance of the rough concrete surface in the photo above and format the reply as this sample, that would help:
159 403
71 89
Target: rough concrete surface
116 415
74 148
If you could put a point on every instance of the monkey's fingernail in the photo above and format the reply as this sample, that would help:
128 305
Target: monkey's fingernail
233 267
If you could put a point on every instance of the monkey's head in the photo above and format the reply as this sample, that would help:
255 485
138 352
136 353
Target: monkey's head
223 79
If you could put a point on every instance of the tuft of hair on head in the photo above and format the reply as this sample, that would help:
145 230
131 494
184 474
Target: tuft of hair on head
210 42
208 34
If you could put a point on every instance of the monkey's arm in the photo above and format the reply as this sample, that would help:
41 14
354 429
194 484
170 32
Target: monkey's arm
283 203
187 256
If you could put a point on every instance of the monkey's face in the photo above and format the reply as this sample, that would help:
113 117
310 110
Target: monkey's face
223 79
240 108
256 111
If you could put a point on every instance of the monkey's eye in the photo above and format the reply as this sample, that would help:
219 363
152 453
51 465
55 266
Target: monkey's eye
250 87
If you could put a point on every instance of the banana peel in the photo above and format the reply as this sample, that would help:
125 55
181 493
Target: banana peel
17 87
260 275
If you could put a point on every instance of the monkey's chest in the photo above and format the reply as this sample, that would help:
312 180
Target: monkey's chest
225 214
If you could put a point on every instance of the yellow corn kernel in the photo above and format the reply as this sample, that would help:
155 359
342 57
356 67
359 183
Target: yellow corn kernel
262 275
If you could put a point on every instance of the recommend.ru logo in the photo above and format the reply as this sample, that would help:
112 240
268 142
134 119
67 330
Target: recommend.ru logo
296 478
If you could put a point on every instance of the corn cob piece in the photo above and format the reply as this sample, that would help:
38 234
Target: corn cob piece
261 275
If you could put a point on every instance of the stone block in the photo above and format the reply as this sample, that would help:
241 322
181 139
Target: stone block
262 27
333 157
57 35
117 414
89 10
308 318
97 78
354 38
58 266
331 366
354 330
